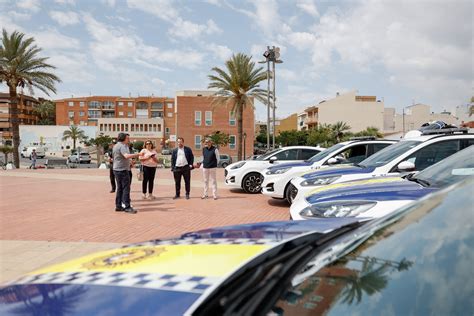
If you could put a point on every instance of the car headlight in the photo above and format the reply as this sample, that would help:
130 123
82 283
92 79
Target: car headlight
239 165
319 181
337 209
278 171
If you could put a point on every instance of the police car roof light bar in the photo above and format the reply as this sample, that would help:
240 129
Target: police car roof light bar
463 130
363 138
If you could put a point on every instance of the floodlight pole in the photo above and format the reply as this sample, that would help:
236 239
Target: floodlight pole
274 103
268 101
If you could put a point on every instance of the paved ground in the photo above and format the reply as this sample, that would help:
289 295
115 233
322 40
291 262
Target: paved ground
74 205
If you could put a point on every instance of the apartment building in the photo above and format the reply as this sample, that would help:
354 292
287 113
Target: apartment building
26 105
359 112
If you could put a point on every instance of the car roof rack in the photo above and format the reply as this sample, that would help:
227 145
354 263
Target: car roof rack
363 138
463 130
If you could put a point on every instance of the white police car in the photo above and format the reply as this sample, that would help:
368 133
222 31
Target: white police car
276 182
246 174
413 154
376 197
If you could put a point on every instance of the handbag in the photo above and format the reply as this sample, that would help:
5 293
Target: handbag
140 174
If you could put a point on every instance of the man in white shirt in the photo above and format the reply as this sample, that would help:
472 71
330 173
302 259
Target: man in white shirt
182 160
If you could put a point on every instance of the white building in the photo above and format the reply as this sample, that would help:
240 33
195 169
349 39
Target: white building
138 128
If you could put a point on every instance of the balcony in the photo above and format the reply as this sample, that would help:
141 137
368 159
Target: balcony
311 120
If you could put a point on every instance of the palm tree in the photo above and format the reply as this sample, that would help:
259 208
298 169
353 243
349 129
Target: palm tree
74 133
339 129
21 66
238 86
45 111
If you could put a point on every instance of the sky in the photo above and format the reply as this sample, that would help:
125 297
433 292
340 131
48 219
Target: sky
404 52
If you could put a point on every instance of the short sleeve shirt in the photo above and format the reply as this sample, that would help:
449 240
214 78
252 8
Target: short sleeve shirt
120 162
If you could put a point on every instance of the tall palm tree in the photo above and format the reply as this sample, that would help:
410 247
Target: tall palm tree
45 111
238 86
21 66
339 128
74 133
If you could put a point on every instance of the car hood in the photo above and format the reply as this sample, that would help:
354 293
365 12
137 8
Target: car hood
376 189
334 171
159 277
290 165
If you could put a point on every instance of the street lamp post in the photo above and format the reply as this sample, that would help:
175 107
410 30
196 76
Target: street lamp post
245 137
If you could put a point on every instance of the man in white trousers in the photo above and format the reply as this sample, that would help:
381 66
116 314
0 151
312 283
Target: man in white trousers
210 161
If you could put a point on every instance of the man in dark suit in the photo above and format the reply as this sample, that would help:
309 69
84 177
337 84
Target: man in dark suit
182 160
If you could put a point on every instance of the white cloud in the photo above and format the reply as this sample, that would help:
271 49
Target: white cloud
52 39
221 52
308 6
31 5
64 18
73 67
287 74
71 2
189 30
162 9
110 3
18 16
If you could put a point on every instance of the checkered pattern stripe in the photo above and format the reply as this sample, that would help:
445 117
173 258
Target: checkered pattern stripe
181 283
206 241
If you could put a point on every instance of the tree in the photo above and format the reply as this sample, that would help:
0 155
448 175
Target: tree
101 144
74 133
45 112
238 87
339 129
6 150
219 139
138 145
369 131
321 135
21 66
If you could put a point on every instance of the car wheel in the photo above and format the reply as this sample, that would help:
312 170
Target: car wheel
290 193
252 183
224 164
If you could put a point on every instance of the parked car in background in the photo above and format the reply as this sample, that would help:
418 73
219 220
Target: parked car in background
408 155
276 181
166 151
40 152
379 196
82 157
224 160
246 174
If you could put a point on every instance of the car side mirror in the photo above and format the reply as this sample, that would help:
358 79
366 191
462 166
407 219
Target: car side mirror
333 161
406 166
273 159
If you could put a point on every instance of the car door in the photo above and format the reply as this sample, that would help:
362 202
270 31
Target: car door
307 153
354 154
287 155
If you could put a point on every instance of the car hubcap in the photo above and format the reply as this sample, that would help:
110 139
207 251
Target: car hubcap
254 183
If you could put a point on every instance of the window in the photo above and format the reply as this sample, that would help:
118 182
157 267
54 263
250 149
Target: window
169 105
70 103
82 103
94 104
108 105
71 114
197 118
431 154
373 148
167 130
129 114
231 118
306 154
197 141
156 114
120 103
81 113
353 154
169 114
157 106
93 114
232 141
208 117
130 104
142 105
120 113
289 154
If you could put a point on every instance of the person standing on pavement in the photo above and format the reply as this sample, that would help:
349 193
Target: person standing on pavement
33 158
149 163
182 160
210 161
110 158
122 157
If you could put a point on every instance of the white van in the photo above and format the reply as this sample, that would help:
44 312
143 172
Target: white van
40 152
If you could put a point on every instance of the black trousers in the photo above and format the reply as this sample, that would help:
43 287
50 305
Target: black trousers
112 179
184 172
123 189
148 179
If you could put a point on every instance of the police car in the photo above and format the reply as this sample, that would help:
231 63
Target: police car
246 174
333 267
379 196
277 178
408 155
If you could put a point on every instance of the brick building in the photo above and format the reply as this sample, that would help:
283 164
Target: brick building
26 116
189 115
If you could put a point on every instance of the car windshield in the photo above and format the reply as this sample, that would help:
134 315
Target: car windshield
392 272
388 154
449 170
265 156
325 153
